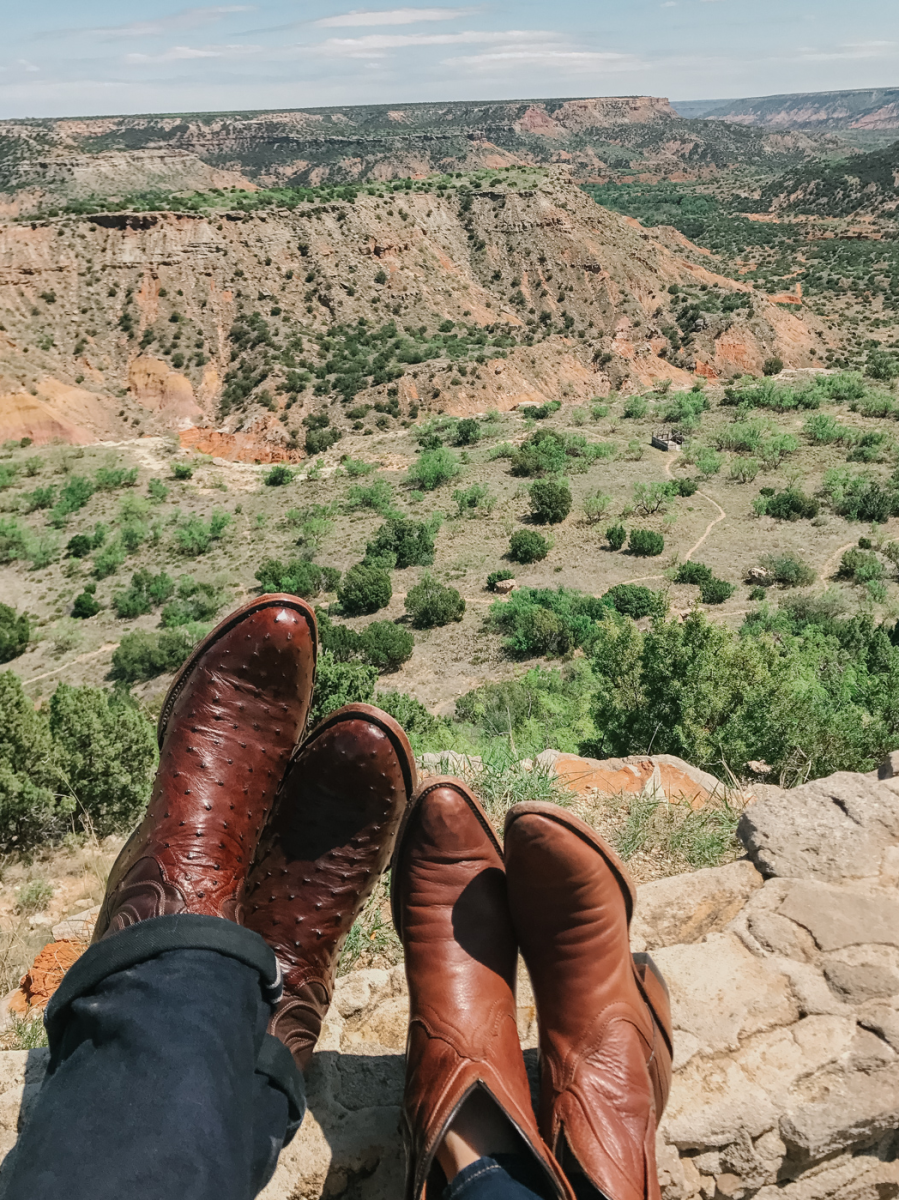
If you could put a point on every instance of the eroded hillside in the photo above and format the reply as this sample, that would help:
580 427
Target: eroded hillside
455 294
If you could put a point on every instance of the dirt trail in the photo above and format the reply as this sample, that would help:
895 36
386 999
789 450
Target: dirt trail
711 525
831 562
65 666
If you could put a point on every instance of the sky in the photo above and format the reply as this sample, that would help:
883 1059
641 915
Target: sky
100 57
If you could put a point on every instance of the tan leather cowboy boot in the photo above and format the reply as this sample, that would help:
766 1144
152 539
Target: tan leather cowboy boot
604 1018
450 910
228 725
328 840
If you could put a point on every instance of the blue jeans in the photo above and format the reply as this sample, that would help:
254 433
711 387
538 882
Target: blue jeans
162 1081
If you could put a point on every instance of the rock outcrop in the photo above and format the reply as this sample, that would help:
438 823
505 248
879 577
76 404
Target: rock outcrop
784 975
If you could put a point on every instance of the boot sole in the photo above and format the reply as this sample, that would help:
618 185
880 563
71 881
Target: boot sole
276 600
429 785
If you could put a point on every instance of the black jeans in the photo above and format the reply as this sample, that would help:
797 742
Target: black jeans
162 1081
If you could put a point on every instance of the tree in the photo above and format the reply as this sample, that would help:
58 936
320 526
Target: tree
432 468
278 476
105 750
431 603
339 683
468 431
550 501
15 633
364 590
386 645
773 365
401 542
32 804
143 655
298 577
85 604
527 546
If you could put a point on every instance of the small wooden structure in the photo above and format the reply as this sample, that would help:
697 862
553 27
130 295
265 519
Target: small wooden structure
668 439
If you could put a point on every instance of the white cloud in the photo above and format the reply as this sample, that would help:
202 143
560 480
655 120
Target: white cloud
392 16
852 50
536 56
188 18
380 43
180 53
26 65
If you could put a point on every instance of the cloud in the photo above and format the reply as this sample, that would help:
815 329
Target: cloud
852 50
187 18
543 56
392 16
180 53
378 44
26 65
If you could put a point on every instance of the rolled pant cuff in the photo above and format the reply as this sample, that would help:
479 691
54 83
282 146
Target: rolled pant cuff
186 931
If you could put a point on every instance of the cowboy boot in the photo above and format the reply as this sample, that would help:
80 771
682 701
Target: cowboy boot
324 847
603 1015
228 724
450 910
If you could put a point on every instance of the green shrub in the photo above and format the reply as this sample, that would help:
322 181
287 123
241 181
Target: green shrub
789 570
417 722
693 572
791 504
378 495
34 807
544 707
496 577
8 474
73 495
633 600
83 544
278 476
109 479
106 753
356 466
364 590
344 643
862 497
468 431
182 471
773 365
596 505
635 407
195 602
15 633
85 604
715 591
433 468
143 655
474 501
550 501
194 536
147 591
339 683
616 535
108 561
861 566
548 452
40 498
402 543
527 546
158 491
645 543
320 440
708 461
430 603
542 411
547 621
298 577
386 645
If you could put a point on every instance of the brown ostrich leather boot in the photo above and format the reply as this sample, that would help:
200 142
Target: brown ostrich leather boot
604 1018
450 910
228 725
327 842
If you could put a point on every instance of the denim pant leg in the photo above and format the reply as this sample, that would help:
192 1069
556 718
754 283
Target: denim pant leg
162 1080
510 1177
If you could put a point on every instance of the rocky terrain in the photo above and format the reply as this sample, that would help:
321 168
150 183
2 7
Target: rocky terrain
115 321
784 973
862 109
867 184
597 137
